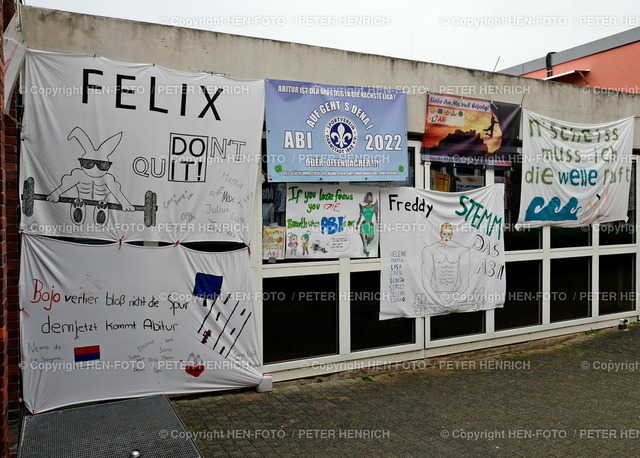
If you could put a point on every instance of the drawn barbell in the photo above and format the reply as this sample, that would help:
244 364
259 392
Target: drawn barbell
149 208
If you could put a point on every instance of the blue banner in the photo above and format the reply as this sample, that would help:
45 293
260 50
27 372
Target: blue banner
317 132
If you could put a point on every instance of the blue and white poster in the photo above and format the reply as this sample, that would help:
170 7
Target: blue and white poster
317 132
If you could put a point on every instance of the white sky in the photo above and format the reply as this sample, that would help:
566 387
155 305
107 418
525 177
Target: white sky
463 33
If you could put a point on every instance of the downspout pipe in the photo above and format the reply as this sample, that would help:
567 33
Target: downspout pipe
549 65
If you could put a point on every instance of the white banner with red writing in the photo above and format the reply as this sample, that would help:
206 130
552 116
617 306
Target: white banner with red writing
107 321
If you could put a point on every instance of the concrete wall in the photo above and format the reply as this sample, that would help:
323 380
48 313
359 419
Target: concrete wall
254 58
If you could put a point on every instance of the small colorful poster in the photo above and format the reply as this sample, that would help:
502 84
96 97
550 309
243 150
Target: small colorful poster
332 221
468 182
440 181
273 242
317 132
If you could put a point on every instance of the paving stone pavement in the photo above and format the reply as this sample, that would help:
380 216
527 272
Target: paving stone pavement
576 399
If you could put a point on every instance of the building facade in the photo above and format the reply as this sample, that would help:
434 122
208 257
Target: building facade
559 281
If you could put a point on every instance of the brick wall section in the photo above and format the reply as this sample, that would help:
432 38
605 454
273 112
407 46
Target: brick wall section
9 267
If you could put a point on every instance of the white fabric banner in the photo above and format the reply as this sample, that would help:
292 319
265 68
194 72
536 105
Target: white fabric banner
13 51
139 321
114 149
441 252
574 174
331 221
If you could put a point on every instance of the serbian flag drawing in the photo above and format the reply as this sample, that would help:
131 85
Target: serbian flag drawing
91 353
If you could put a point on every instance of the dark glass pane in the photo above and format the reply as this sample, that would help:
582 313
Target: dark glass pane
621 232
524 296
273 203
367 331
617 283
570 288
562 237
617 233
300 317
457 324
526 238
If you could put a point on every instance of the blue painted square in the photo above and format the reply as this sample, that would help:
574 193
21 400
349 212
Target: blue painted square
207 286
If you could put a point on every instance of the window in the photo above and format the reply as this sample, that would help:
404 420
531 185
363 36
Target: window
621 232
562 237
300 317
366 329
457 324
524 296
570 288
617 283
526 238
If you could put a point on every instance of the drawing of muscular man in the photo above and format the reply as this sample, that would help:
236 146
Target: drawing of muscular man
445 269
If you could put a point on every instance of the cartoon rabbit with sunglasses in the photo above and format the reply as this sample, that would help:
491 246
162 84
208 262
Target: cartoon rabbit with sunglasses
91 180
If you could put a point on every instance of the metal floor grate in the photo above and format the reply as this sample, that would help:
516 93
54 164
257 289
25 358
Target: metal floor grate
113 430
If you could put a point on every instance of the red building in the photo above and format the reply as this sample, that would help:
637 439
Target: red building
609 63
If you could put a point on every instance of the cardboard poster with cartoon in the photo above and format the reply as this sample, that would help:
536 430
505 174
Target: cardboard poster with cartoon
332 221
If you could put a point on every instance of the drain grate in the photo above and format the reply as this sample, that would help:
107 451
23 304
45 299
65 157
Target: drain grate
149 425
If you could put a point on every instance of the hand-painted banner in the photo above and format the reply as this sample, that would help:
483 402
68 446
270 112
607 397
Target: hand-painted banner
139 321
464 131
317 132
441 252
114 149
332 221
574 174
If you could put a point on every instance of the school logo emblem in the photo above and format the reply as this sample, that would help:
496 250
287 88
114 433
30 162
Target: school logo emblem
341 135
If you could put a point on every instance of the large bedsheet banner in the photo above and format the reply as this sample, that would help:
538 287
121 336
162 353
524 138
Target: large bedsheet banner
441 252
574 174
115 150
108 321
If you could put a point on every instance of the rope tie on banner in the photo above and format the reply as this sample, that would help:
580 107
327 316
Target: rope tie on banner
120 242
25 311
249 248
176 244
